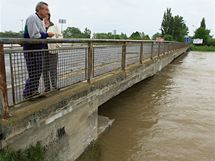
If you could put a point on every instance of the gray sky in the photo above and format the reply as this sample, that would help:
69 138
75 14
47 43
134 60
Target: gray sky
106 15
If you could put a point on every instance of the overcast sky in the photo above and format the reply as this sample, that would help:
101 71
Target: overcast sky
106 15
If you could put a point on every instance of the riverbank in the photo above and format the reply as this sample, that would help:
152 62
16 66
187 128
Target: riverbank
203 48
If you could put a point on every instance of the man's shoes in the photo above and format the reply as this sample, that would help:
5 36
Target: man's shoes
47 90
33 94
55 89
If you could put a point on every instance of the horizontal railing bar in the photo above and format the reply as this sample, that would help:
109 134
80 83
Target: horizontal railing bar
44 41
20 50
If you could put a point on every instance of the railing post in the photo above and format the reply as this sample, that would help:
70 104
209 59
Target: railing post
90 62
159 48
169 48
12 79
141 53
165 48
123 60
3 84
152 50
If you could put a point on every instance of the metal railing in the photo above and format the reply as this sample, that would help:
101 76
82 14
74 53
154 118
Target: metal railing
23 73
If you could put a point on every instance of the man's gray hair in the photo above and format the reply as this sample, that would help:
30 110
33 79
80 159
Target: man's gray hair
40 5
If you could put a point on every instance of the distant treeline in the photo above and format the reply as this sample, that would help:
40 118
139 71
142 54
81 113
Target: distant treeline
11 34
74 32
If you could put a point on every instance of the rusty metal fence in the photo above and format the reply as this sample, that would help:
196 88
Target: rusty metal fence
26 74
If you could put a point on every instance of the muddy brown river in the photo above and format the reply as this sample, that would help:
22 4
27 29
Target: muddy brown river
169 117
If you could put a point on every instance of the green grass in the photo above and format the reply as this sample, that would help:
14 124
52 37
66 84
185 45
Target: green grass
203 48
33 153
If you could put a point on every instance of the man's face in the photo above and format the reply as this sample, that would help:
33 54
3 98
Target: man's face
43 12
46 19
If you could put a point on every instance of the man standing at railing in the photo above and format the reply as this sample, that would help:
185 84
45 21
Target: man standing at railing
35 29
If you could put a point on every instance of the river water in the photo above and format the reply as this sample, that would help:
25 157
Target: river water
169 117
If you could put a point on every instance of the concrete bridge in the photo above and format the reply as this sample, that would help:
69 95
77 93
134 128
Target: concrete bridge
89 73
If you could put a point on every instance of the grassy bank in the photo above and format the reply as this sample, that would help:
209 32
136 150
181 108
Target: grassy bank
203 48
34 153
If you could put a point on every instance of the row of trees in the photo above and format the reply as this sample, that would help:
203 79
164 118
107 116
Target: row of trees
109 35
74 32
11 34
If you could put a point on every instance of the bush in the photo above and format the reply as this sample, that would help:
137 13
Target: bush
168 37
211 42
34 153
203 48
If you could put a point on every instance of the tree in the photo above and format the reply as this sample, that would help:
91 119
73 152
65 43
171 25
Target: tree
123 36
136 36
144 37
203 25
174 26
167 23
202 32
180 30
156 35
109 35
103 36
139 36
87 33
168 38
74 32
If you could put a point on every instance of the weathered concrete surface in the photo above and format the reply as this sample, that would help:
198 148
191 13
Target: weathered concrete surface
66 122
103 124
